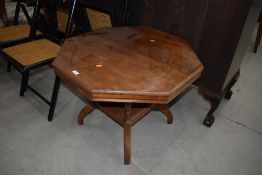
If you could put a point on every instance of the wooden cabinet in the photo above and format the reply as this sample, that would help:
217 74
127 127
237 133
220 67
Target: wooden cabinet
213 28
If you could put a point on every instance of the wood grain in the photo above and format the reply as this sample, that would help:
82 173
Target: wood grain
127 64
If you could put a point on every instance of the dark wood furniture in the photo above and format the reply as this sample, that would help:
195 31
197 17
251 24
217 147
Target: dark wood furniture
126 72
212 27
259 32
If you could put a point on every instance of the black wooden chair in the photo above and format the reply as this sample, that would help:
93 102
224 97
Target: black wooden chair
88 18
15 32
34 53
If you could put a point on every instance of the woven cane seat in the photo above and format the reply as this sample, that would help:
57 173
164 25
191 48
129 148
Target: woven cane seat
14 32
33 52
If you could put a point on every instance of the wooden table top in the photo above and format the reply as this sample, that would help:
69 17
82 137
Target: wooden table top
128 64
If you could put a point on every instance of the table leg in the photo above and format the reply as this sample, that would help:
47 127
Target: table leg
127 144
84 112
166 111
127 134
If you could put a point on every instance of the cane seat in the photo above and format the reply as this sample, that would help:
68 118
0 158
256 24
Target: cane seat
35 52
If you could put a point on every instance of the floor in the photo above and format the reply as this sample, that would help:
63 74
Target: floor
30 145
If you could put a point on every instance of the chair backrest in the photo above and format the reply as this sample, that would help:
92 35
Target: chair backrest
17 11
3 15
70 20
33 23
99 17
63 14
9 6
59 15
22 6
91 17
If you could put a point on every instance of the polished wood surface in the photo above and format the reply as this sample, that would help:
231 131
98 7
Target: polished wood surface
127 72
128 65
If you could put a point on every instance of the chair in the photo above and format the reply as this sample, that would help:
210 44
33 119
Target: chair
259 32
16 32
33 54
87 16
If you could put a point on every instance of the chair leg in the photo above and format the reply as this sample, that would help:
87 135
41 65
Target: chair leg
259 35
54 99
24 83
9 67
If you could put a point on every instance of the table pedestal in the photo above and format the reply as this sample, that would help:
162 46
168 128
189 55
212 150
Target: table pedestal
126 115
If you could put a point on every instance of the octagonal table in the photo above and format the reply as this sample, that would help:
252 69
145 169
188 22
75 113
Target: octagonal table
126 72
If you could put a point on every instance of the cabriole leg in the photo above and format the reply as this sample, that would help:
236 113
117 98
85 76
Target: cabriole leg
84 112
166 111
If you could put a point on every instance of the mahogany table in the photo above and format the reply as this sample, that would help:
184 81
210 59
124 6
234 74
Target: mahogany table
126 72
